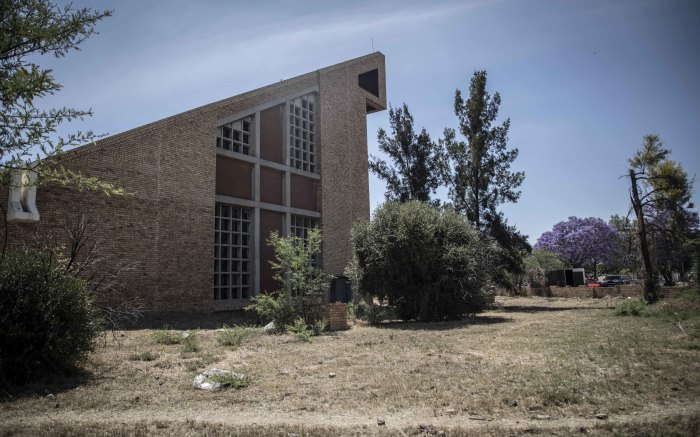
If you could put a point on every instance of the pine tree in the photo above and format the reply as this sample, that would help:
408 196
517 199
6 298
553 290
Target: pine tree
478 174
658 186
414 171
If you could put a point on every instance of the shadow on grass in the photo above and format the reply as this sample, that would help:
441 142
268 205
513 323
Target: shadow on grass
543 309
485 319
189 320
46 386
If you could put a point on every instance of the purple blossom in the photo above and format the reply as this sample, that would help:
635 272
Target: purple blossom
580 241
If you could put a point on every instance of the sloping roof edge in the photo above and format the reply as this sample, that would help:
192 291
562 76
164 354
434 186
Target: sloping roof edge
92 147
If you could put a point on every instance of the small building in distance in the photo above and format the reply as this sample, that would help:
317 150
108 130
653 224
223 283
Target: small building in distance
567 277
207 187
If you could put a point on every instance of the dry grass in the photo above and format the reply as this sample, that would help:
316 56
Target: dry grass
568 359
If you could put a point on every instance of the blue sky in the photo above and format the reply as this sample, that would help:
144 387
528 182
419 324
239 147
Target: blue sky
582 81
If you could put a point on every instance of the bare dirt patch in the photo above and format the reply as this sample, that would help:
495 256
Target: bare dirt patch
534 365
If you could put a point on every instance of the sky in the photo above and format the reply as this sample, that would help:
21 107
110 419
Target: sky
581 81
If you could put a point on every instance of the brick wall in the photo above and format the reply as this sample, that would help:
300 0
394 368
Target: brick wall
343 155
633 290
336 316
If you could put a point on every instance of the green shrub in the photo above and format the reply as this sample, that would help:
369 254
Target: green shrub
678 307
295 264
303 283
319 327
230 380
351 311
300 330
48 318
194 366
279 308
429 264
144 356
200 361
234 337
632 307
166 336
190 342
374 313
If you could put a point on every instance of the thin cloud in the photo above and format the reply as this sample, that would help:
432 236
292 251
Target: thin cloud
250 55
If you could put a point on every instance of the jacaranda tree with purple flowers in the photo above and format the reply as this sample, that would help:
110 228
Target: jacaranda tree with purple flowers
580 242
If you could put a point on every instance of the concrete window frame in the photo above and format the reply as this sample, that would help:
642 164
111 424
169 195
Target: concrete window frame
237 136
254 112
255 204
234 248
302 133
300 225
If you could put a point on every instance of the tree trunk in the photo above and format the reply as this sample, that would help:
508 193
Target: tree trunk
477 205
666 276
650 285
697 265
681 272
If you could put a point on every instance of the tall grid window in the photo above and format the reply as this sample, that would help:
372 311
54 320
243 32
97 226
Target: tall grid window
301 226
302 133
236 136
232 252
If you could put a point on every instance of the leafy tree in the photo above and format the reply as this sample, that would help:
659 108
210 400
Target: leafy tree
302 281
624 257
415 172
478 170
428 263
538 263
295 266
657 184
545 260
672 238
580 241
30 29
511 249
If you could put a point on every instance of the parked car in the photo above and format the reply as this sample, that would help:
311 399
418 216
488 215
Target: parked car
613 280
592 283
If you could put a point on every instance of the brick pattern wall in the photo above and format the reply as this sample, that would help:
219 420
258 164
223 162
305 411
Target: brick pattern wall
336 315
343 154
234 177
271 186
271 135
303 192
270 221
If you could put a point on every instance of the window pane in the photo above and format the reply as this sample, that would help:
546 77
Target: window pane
301 134
232 263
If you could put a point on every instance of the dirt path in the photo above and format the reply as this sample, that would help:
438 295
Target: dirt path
227 420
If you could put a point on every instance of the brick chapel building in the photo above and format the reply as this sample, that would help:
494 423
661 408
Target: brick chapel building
207 186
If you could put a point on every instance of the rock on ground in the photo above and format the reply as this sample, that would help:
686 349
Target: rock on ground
204 380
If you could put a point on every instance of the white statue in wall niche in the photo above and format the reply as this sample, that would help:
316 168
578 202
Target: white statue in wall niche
21 205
